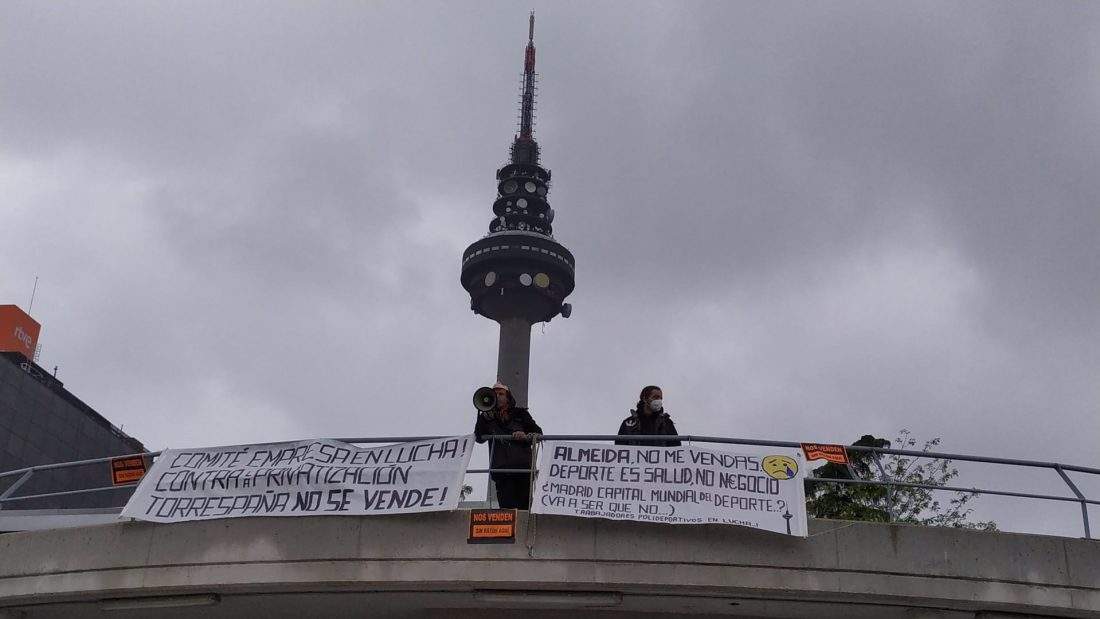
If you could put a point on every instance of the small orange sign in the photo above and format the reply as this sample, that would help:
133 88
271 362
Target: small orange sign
127 470
18 331
820 451
492 526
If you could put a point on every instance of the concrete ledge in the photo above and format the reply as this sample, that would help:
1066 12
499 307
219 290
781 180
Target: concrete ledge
413 564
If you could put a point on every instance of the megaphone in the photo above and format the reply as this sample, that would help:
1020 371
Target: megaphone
485 399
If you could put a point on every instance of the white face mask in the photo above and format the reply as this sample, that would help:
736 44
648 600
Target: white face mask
656 405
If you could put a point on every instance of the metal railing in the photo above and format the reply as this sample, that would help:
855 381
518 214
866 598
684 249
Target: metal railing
25 474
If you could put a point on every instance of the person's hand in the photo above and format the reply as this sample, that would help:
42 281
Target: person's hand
519 436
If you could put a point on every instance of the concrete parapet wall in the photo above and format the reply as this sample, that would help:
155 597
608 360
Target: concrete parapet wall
842 569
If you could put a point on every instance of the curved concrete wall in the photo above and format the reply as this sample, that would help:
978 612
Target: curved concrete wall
421 565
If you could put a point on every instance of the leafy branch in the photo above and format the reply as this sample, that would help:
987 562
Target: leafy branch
881 503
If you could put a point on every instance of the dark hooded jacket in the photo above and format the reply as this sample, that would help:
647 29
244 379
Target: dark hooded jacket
507 454
648 425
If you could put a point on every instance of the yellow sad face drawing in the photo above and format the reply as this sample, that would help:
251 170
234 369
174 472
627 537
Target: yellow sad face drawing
779 467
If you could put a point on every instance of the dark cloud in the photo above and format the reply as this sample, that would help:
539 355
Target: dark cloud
805 222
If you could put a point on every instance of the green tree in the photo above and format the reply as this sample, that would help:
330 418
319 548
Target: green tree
879 503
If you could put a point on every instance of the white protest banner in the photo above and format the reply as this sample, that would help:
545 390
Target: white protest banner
758 487
303 478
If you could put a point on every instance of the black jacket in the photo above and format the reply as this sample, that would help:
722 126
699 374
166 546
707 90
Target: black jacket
642 425
506 454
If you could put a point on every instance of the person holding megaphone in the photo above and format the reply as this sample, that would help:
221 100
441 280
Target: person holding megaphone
498 414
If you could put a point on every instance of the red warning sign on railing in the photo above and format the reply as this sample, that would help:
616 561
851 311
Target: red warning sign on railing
820 451
492 526
127 470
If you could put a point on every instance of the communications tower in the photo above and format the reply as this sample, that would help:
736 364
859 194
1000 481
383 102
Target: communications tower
518 274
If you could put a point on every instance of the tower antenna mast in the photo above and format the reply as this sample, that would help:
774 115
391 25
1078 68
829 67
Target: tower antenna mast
527 101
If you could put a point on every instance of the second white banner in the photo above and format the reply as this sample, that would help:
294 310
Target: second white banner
759 487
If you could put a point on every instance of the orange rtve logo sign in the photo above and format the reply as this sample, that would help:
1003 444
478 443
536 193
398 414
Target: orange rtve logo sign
18 331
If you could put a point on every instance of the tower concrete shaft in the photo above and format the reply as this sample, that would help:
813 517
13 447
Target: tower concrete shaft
514 357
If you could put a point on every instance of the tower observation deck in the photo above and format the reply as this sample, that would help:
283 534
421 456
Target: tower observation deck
518 274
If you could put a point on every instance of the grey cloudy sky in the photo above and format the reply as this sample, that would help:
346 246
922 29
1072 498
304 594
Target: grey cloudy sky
806 221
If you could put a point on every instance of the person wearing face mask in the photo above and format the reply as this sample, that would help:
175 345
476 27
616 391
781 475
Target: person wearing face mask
513 489
649 419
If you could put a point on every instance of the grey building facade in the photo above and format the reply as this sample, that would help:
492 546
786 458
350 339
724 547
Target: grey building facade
41 422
